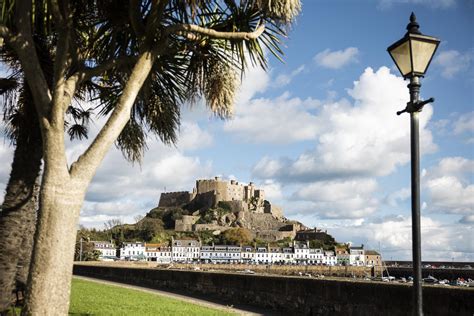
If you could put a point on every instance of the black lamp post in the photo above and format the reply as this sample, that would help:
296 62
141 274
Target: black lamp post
412 54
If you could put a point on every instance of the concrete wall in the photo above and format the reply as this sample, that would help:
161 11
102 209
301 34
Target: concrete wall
437 273
296 296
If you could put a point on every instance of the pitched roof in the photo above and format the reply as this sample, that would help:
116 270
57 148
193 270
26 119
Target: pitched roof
371 253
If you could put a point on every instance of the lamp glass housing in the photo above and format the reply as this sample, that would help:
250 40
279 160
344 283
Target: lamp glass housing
413 54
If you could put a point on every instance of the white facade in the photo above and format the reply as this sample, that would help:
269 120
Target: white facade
247 254
301 252
356 256
221 254
315 256
106 248
330 258
158 253
132 251
185 250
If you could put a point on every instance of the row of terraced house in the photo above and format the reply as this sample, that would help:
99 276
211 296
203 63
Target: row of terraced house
191 251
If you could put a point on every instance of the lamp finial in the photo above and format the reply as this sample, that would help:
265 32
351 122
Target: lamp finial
413 26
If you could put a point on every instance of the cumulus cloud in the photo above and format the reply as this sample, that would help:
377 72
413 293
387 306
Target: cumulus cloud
273 190
255 81
281 120
192 137
338 198
450 187
400 195
362 139
440 240
453 62
336 59
465 123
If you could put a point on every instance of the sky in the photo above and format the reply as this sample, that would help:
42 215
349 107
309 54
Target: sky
319 133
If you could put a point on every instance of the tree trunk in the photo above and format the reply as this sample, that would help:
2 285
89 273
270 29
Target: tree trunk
49 281
18 214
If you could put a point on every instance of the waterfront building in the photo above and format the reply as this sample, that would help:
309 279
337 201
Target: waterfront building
221 254
132 251
185 250
315 256
342 256
330 258
247 254
373 258
106 248
301 251
158 252
356 255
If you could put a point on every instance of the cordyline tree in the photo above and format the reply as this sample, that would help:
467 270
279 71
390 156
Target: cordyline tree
18 210
144 59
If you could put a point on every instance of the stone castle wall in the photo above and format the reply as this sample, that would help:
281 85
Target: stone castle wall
185 224
175 199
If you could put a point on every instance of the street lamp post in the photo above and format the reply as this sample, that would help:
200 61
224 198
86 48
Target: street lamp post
412 54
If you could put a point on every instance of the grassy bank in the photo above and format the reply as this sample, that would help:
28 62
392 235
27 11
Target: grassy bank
90 298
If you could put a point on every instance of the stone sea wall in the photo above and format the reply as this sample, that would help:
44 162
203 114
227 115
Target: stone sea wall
293 295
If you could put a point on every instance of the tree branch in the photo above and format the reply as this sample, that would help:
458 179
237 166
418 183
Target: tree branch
88 73
56 11
184 29
24 46
136 18
86 165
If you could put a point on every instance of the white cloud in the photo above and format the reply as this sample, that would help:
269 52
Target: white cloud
399 195
450 188
255 81
273 190
361 140
440 240
193 137
465 123
336 59
467 219
281 120
453 62
338 199
285 79
441 4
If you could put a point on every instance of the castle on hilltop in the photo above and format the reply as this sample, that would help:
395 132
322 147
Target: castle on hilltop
209 192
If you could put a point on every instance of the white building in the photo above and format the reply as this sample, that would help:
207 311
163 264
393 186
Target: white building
132 251
107 249
301 251
158 252
221 254
288 255
185 250
315 256
356 256
247 254
330 258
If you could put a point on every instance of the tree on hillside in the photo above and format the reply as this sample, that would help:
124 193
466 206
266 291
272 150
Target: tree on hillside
164 52
236 236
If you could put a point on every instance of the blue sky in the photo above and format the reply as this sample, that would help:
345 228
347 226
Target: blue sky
319 133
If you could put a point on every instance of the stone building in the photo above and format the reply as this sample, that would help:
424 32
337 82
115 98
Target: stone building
373 258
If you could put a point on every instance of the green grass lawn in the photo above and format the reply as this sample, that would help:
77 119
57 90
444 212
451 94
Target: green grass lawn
90 298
